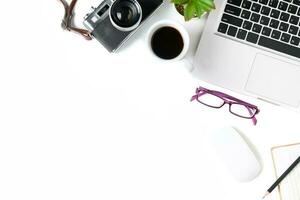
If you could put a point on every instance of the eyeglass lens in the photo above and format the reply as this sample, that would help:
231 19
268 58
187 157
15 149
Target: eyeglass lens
242 110
211 100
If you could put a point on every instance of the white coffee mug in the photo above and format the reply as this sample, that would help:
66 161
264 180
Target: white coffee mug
180 28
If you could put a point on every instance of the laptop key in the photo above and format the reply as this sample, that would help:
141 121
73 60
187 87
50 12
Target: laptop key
255 17
274 23
265 10
265 2
256 28
294 20
235 2
256 7
223 28
285 37
246 4
232 20
266 31
292 9
273 3
264 20
276 34
232 31
283 27
233 10
275 14
295 40
293 30
241 34
245 14
297 2
247 25
283 6
279 46
252 37
284 17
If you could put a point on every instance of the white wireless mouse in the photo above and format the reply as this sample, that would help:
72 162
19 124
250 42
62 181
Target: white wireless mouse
236 154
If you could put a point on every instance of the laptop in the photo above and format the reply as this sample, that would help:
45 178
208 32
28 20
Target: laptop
253 47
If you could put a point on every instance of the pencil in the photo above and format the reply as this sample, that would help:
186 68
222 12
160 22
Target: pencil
295 163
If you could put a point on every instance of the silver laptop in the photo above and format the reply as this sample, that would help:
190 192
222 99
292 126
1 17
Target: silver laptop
253 47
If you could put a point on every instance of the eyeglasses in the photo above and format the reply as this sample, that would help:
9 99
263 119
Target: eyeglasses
215 99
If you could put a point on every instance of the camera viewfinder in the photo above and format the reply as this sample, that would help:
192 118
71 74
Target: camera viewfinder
103 10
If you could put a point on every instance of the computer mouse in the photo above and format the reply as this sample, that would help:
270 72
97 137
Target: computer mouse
236 154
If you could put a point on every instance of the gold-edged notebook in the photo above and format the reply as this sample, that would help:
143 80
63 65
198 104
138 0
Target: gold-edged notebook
283 157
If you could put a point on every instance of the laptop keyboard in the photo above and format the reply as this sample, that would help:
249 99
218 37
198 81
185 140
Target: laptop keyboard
273 24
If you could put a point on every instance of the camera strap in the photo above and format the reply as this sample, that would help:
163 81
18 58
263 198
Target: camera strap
67 22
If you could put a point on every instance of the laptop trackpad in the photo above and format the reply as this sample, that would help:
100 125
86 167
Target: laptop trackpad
275 79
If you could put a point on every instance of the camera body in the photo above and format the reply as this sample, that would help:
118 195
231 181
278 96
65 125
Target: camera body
114 21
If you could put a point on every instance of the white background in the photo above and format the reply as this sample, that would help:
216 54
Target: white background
79 123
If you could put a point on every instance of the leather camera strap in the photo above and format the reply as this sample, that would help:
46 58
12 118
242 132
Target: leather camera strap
67 22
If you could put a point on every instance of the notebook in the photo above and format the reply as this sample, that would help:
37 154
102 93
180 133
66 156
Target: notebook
283 157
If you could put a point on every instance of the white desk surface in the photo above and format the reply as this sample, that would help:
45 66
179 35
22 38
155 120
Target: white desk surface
79 123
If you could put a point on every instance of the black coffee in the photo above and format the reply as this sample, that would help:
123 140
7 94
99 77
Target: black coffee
167 43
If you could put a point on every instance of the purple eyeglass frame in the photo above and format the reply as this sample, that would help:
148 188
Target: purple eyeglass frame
230 100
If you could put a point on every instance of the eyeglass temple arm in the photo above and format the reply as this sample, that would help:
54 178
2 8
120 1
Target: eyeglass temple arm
198 94
254 120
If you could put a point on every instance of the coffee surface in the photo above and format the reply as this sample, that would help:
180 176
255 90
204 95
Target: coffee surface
167 43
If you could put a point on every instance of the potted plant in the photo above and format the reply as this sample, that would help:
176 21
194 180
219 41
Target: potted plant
193 8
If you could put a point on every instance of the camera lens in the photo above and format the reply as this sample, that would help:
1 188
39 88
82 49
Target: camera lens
126 14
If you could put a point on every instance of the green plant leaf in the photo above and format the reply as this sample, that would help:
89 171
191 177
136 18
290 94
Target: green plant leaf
195 8
179 2
190 11
206 5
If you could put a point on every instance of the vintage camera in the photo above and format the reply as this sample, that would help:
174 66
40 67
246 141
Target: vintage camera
114 21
